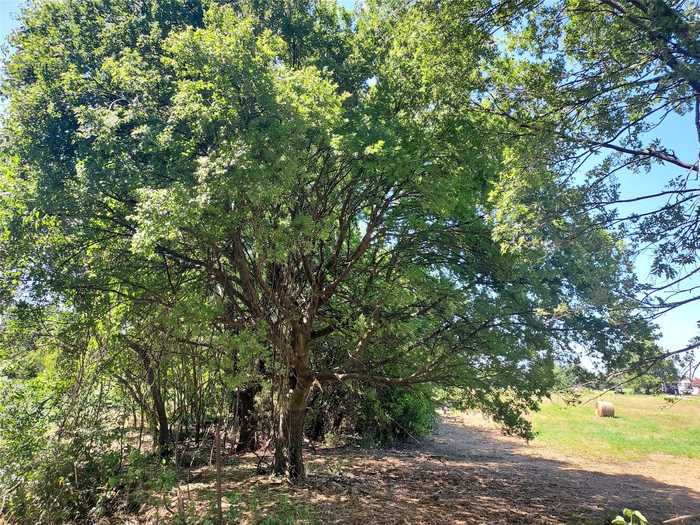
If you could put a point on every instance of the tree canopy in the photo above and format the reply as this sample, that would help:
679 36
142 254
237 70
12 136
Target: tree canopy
206 201
608 80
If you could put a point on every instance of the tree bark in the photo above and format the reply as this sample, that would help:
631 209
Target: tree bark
163 426
294 430
219 490
247 418
289 458
163 429
288 449
279 464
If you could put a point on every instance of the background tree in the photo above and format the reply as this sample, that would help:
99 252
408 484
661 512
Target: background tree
653 381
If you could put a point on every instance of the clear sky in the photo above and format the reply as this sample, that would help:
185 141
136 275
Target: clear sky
8 8
677 133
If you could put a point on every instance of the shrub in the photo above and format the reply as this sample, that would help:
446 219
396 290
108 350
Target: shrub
396 414
79 479
378 416
70 481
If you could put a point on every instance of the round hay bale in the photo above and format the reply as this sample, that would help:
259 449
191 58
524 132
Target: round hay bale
604 409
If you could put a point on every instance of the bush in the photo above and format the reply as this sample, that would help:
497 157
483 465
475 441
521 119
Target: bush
396 414
70 481
84 478
378 416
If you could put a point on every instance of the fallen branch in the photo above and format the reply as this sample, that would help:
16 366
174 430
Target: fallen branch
682 519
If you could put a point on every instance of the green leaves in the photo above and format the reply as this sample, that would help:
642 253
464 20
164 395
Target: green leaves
161 217
234 189
630 517
590 83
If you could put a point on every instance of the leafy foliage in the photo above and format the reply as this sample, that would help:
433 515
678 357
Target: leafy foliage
630 517
218 209
597 79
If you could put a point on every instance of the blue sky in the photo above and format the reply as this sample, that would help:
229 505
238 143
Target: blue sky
7 9
677 133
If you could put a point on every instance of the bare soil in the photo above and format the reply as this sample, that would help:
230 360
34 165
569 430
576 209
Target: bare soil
467 473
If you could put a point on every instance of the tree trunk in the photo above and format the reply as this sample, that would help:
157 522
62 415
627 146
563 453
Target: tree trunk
279 463
219 490
290 440
247 418
288 450
163 429
295 431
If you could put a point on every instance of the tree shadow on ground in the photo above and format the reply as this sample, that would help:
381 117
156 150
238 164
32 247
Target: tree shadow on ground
461 475
485 480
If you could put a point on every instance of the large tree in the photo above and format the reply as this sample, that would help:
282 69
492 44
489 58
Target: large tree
318 184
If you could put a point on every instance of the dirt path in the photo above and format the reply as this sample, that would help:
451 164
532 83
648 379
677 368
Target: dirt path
468 473
472 436
553 488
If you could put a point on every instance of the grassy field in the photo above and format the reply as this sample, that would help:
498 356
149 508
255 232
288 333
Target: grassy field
642 426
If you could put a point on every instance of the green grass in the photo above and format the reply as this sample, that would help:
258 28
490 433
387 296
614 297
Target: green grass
643 425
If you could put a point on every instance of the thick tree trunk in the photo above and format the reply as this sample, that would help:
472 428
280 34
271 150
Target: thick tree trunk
294 429
290 439
288 449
